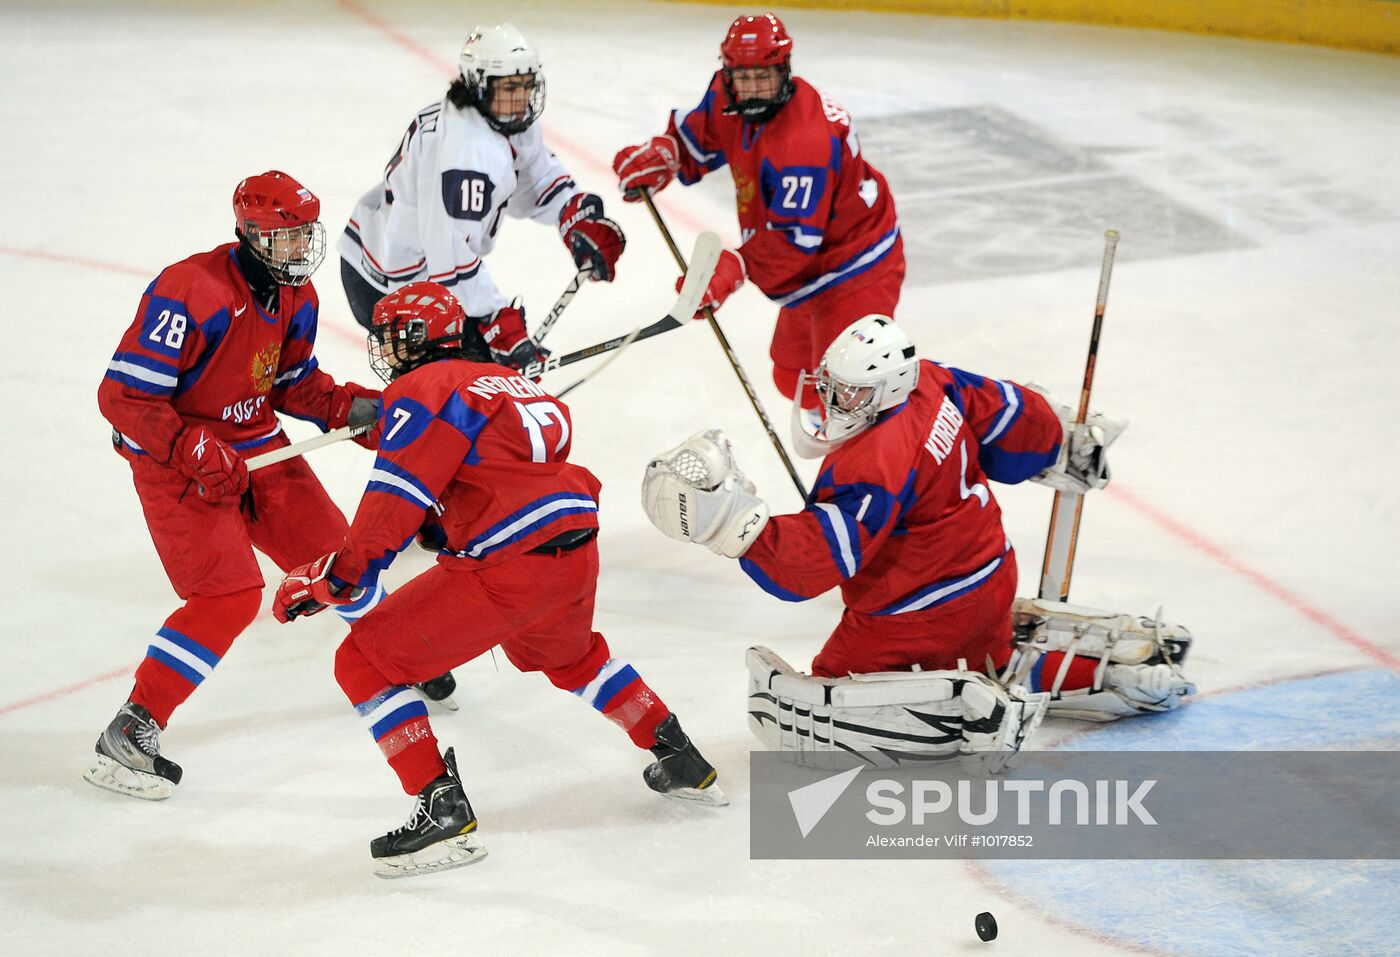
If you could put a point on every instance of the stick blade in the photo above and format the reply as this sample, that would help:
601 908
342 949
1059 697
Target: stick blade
703 260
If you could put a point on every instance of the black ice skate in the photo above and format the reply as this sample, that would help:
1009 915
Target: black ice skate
439 690
128 757
440 833
680 771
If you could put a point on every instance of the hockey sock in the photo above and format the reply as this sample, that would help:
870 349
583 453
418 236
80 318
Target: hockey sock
624 699
396 716
1080 673
188 646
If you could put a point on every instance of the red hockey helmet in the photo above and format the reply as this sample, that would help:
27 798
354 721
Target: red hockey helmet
279 219
757 43
418 323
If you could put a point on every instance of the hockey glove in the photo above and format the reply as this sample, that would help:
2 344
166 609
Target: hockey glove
652 165
216 469
729 276
594 240
355 405
1083 461
505 334
309 589
696 493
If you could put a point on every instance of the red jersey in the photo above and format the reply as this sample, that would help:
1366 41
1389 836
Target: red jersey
202 351
901 516
482 447
813 213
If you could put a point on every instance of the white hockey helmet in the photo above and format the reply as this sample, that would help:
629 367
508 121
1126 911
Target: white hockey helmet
491 54
869 368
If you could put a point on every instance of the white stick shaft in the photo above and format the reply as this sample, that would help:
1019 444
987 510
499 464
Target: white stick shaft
300 448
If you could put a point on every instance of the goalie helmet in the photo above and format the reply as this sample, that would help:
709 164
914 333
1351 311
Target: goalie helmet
757 43
417 324
489 58
870 367
279 220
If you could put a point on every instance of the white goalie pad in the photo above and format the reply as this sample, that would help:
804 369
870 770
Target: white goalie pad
1138 667
696 493
904 717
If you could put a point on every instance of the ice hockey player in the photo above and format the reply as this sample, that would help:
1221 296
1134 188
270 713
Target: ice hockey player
820 236
474 462
464 163
221 343
903 520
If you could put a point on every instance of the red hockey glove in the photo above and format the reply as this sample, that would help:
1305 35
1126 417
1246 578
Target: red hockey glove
592 238
504 332
215 468
652 165
308 589
729 276
353 405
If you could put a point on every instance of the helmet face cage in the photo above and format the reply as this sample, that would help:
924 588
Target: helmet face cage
757 43
290 253
495 54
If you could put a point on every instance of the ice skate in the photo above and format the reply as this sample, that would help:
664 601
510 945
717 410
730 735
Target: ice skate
439 835
128 757
439 691
680 771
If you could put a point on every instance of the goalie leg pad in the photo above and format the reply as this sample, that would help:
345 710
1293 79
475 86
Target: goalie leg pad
903 717
1138 668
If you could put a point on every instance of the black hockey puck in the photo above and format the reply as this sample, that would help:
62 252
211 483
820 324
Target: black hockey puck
986 926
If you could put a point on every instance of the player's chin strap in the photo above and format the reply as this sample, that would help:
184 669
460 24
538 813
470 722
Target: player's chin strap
1137 666
696 493
889 718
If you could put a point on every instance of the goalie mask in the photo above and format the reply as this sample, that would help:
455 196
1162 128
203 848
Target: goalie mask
503 77
870 367
757 73
417 324
278 219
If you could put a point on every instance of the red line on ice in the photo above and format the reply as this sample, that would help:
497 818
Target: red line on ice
1261 581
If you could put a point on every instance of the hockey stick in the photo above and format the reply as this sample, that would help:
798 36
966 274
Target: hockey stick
703 260
689 298
729 354
566 297
300 448
1068 508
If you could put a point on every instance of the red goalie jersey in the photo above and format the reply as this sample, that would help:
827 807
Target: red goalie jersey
902 517
480 453
812 211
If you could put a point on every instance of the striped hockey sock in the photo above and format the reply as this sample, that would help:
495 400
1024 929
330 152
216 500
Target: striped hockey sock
185 650
396 716
624 699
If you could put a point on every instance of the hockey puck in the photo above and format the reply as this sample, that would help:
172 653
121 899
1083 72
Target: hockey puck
986 926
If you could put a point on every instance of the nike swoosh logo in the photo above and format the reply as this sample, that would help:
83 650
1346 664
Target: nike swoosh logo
240 310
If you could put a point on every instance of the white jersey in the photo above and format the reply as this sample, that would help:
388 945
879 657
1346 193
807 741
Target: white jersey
436 212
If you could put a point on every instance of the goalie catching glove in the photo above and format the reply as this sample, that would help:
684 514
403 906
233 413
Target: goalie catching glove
696 493
1083 461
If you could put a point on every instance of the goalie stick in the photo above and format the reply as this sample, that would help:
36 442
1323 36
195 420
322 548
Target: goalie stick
729 353
1068 508
707 248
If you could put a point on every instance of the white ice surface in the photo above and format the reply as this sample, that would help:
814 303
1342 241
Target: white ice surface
1255 492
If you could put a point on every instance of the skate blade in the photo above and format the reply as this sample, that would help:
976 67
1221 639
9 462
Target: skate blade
443 856
114 776
446 705
711 795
